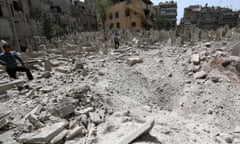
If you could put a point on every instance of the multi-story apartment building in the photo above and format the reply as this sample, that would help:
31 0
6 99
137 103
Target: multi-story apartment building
85 14
130 14
191 15
209 17
14 23
168 11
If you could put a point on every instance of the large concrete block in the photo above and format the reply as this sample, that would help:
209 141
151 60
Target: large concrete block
43 135
134 60
138 132
7 86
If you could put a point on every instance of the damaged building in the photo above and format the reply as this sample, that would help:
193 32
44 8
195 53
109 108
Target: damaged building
209 17
130 14
15 24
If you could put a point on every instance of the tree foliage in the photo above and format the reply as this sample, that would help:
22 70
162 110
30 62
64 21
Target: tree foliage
162 23
102 6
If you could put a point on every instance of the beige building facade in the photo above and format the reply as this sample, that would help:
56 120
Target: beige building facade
130 14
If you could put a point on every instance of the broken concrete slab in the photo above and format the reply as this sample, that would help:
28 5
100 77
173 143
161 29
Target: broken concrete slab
35 121
196 59
84 111
134 60
43 135
146 128
59 137
75 132
7 86
62 110
3 122
200 75
95 117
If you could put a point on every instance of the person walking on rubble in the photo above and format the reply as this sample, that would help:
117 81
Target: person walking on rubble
9 59
116 41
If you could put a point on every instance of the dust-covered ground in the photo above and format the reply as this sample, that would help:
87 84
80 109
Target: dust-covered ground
191 92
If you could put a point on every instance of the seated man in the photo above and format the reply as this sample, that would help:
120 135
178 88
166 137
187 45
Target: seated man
8 58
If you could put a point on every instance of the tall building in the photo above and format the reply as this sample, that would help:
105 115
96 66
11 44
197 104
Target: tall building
130 14
191 15
209 17
167 11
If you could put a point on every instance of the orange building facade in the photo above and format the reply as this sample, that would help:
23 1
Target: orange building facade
130 14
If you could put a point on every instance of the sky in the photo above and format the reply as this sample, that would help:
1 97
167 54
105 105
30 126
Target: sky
233 4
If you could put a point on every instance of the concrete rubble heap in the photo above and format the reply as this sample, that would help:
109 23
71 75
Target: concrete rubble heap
156 88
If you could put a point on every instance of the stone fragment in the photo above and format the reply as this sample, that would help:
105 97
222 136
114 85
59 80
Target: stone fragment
62 110
43 135
59 137
134 60
95 117
7 86
196 59
34 121
3 122
145 128
75 132
84 111
200 75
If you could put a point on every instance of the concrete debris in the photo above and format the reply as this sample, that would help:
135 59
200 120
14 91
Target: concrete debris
7 86
43 135
144 129
200 75
134 60
181 78
34 121
196 59
3 122
62 110
95 118
59 137
84 111
75 132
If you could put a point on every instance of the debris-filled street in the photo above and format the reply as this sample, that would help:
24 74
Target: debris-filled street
153 89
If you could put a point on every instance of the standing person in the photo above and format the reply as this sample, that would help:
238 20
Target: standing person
8 58
116 41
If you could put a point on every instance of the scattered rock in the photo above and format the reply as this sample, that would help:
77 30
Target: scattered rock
196 59
134 60
43 135
200 75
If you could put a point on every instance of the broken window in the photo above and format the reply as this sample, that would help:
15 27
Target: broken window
127 12
118 25
110 16
17 6
117 15
1 12
133 24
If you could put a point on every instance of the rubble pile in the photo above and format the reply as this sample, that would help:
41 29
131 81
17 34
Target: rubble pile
157 86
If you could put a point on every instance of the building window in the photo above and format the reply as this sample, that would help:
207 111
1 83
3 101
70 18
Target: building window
17 6
1 12
117 15
133 24
118 25
127 12
110 16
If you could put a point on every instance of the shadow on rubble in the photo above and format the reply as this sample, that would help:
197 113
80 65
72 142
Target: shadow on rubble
148 138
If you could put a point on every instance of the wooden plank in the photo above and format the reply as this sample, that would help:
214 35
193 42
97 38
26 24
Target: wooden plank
146 128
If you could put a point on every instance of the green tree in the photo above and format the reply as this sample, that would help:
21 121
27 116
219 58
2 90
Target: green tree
162 23
102 6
